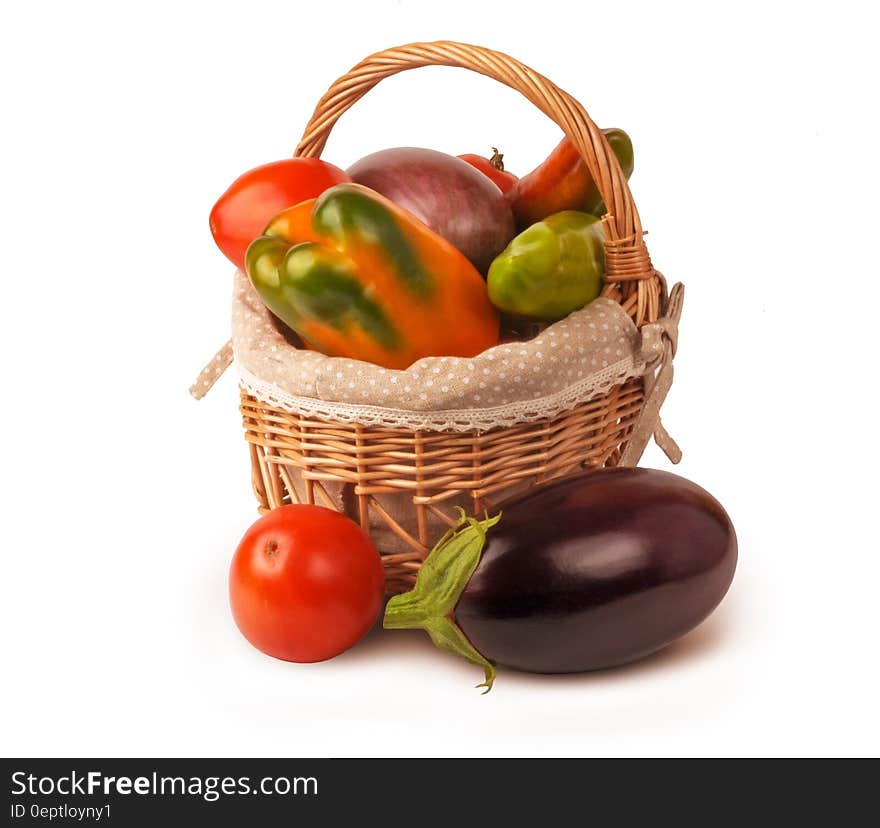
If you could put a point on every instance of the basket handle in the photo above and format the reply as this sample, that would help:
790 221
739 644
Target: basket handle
628 259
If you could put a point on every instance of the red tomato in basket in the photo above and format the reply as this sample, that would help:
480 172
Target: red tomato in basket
306 583
493 169
243 211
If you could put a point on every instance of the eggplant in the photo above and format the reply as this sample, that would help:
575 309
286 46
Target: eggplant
452 197
581 574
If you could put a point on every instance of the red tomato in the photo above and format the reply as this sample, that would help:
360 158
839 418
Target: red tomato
243 211
306 583
493 168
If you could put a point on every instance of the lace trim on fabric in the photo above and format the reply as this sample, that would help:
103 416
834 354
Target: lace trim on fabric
479 419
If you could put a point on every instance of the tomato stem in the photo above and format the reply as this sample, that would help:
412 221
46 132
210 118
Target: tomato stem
497 159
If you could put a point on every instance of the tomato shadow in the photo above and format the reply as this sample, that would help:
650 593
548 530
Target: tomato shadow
382 643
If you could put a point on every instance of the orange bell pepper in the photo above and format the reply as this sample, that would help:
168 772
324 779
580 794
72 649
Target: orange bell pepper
357 276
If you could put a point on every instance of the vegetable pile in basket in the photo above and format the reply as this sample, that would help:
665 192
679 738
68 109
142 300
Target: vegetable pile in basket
412 253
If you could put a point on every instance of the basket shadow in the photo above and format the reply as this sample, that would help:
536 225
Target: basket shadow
709 636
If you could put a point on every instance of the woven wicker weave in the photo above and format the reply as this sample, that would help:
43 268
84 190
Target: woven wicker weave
368 472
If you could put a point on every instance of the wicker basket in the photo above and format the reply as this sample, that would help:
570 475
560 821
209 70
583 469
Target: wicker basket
402 484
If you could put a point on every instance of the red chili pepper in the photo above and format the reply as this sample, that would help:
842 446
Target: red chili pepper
563 182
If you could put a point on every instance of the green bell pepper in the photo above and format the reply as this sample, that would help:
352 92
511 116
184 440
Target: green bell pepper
550 269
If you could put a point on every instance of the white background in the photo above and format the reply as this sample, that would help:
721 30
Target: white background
123 499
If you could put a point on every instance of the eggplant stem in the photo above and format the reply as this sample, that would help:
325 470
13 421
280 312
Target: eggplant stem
430 604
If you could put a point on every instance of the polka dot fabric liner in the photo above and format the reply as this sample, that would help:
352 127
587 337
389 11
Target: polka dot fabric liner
569 363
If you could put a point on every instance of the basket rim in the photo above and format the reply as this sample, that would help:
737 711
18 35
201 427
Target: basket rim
507 415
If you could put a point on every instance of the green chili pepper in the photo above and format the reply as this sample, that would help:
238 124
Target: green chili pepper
551 269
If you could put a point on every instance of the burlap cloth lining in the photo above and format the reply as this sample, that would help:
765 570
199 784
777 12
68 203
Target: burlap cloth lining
571 362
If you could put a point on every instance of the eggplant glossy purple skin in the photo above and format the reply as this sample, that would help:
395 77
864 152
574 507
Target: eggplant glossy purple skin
597 571
453 198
